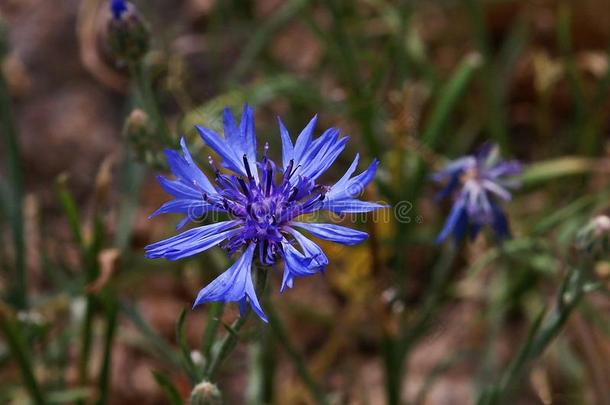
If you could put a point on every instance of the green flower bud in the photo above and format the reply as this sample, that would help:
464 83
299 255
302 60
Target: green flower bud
127 35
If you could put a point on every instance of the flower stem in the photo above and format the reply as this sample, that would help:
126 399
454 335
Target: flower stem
262 358
145 99
396 349
540 335
17 282
229 342
227 345
282 337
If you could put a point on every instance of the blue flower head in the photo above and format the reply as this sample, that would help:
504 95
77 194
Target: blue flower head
117 8
477 184
263 202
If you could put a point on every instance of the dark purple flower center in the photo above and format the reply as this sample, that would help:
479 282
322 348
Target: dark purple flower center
265 206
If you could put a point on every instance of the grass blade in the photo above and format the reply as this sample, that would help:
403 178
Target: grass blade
171 392
448 99
187 361
161 347
18 282
20 352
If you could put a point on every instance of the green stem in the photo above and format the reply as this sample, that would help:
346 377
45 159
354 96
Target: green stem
159 346
19 350
18 282
496 120
262 358
393 362
230 340
540 336
145 99
361 109
396 350
211 328
112 311
227 345
297 360
90 256
263 33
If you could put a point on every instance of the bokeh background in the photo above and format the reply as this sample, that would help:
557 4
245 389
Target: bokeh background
413 83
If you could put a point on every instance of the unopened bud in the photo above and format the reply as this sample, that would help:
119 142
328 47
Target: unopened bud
137 130
137 120
601 225
140 134
128 36
594 236
206 393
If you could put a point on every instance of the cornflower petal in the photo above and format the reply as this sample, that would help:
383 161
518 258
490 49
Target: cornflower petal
220 146
458 212
296 264
191 242
287 147
304 140
234 285
334 233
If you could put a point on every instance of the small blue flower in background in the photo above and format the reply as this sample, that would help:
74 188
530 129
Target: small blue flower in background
262 202
477 184
118 7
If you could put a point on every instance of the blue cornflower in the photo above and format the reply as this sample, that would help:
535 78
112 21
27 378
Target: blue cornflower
477 183
117 8
263 202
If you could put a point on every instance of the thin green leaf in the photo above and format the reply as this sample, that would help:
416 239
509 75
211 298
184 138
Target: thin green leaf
173 396
161 347
295 357
69 206
187 361
449 96
261 37
211 328
69 395
112 312
257 94
226 345
22 356
542 172
17 283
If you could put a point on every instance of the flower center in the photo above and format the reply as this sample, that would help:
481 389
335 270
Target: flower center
265 206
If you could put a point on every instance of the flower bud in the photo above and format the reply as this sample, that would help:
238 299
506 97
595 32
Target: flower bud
127 34
206 393
137 130
594 236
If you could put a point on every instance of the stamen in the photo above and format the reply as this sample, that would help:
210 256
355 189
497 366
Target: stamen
247 166
293 194
269 178
295 169
244 187
288 170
